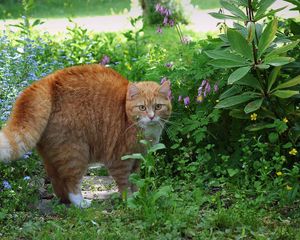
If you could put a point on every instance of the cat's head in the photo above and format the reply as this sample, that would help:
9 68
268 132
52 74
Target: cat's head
148 103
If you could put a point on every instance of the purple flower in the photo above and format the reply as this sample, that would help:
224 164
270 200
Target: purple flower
165 22
216 88
157 7
163 80
207 89
160 9
171 22
169 65
200 89
179 98
167 12
159 30
26 178
204 82
105 60
186 101
6 184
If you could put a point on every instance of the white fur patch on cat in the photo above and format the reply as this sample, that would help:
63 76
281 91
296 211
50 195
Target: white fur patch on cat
21 145
79 201
5 148
153 132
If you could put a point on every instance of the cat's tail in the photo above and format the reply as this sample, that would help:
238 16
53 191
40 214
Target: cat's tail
27 121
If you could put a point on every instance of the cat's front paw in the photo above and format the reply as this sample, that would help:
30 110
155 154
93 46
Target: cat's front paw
85 203
79 201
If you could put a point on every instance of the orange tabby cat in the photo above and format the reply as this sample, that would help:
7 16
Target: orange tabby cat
82 115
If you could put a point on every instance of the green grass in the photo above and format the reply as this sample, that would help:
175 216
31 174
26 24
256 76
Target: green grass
193 216
169 38
77 8
203 4
69 8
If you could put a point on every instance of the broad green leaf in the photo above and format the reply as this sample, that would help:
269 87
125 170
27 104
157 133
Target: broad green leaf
278 61
239 44
238 74
163 191
133 156
243 2
285 93
295 81
287 145
221 54
263 6
251 81
232 172
263 66
223 63
235 100
223 16
283 49
238 113
253 106
259 126
270 13
234 10
272 77
157 147
267 37
230 92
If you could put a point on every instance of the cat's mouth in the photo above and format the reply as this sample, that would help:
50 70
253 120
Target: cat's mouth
144 123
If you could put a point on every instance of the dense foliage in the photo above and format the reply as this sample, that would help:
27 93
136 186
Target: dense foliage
231 147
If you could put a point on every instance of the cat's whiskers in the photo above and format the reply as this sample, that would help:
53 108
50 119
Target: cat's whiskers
169 122
132 125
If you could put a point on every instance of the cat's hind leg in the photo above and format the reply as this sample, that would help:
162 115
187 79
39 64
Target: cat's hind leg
66 170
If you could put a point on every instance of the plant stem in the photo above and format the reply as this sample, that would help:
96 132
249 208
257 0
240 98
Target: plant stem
254 50
179 32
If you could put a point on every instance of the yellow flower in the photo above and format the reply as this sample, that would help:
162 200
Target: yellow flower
279 173
289 188
253 116
293 152
285 120
199 98
217 100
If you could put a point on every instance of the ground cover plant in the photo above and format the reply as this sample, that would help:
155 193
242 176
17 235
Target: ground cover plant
229 166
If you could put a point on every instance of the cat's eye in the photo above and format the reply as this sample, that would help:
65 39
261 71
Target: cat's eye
158 106
142 108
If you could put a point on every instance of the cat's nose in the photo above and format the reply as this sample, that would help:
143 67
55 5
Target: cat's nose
150 115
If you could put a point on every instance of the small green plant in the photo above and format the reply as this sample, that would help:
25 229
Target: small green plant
149 194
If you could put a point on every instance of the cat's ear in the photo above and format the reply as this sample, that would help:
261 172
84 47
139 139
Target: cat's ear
165 88
133 90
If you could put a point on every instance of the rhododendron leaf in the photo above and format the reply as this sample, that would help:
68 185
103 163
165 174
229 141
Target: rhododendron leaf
238 74
253 106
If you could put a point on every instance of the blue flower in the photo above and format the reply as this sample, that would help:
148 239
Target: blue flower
26 178
6 184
